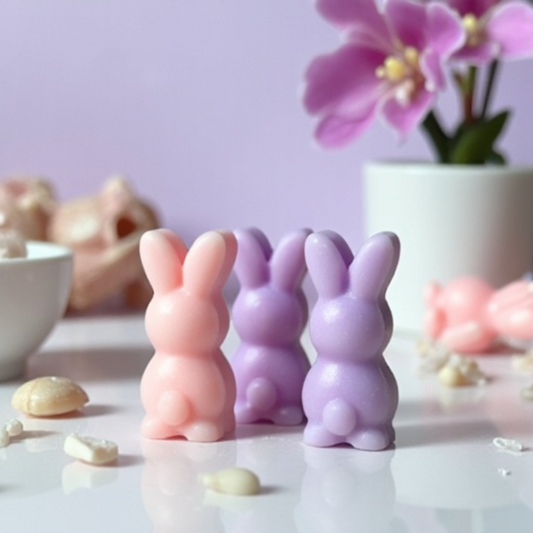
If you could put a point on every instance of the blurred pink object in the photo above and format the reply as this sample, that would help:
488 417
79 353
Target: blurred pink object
104 233
511 310
188 388
468 315
26 205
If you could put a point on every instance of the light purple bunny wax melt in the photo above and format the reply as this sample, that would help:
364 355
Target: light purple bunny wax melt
350 394
270 314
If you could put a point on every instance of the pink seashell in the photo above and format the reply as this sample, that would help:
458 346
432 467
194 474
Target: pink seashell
104 232
27 204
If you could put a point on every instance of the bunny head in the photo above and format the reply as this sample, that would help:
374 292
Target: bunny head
351 318
271 308
187 311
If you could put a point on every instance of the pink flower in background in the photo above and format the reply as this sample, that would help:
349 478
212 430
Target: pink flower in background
495 30
390 63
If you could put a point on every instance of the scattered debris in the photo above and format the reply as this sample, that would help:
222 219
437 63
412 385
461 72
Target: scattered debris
523 363
235 481
49 396
508 445
13 428
503 472
90 449
433 356
527 393
461 371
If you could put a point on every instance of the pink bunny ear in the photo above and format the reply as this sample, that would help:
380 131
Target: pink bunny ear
374 265
209 262
328 256
253 254
162 256
287 266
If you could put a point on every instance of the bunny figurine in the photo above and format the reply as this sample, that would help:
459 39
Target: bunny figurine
469 316
350 394
270 314
188 388
457 314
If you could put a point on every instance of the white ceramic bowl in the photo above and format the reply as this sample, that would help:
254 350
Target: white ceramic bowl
33 296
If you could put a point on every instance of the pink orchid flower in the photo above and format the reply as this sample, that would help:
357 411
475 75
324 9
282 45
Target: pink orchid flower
390 63
495 30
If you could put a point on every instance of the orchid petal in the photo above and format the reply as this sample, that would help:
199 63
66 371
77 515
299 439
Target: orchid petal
361 18
346 75
406 117
477 55
472 7
431 67
336 131
511 26
407 20
445 32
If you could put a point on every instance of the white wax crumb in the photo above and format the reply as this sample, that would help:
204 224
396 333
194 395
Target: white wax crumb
523 363
433 356
4 437
90 449
503 472
236 481
527 393
508 445
461 371
14 427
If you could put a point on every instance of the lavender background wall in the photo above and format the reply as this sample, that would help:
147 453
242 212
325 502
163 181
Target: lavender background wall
197 101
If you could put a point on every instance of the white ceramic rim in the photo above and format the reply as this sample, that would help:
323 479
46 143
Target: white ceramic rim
39 252
436 168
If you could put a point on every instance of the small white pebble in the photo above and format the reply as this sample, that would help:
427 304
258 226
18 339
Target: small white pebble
503 472
14 427
236 481
90 449
508 445
4 437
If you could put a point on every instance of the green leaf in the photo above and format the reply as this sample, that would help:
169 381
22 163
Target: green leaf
496 158
474 144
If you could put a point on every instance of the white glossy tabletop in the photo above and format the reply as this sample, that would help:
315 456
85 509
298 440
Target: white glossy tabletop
442 476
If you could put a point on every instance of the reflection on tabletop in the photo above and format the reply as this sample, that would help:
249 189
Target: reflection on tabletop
443 475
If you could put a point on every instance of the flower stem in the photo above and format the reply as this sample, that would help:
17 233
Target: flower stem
489 87
469 90
440 141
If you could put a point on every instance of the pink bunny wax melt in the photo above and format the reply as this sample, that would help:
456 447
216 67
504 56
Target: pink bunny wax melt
468 315
270 314
456 315
188 388
350 394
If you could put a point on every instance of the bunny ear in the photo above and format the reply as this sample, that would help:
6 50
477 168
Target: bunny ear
328 257
253 254
162 256
287 266
374 265
209 262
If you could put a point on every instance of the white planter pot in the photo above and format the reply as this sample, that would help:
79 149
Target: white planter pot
452 221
